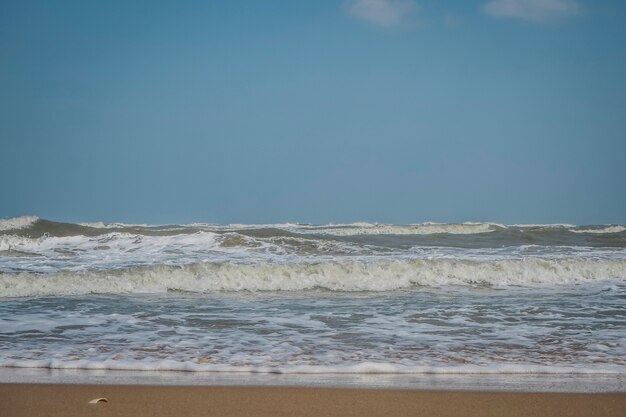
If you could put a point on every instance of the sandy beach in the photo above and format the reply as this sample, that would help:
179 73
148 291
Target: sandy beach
34 400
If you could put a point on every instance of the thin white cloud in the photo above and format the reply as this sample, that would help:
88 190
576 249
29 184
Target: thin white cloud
533 10
386 13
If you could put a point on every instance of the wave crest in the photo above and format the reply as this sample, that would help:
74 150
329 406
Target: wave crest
607 229
16 223
347 276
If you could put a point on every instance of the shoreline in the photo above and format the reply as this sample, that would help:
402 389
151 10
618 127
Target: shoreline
70 400
540 383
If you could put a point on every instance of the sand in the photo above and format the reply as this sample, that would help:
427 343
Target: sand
65 400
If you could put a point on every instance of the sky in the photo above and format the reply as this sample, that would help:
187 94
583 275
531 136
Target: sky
396 111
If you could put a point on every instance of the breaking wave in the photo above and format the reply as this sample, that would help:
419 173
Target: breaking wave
16 223
349 276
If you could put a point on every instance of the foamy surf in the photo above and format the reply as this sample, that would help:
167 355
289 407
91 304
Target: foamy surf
288 298
448 330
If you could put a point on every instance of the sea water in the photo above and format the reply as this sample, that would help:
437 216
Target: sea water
470 298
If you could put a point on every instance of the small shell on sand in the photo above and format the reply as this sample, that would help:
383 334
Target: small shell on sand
98 400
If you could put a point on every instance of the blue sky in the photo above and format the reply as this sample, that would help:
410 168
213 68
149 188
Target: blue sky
326 111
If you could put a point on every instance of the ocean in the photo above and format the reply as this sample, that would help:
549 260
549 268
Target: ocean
361 298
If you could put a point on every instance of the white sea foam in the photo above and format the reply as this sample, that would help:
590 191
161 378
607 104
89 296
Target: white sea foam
347 276
604 230
16 223
360 368
12 242
120 242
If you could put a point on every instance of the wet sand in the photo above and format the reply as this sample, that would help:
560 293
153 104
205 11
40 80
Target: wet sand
33 400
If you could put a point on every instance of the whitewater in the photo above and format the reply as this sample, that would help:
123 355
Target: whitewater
465 298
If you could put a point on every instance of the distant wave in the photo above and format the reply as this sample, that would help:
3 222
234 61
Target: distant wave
410 229
31 244
32 226
102 225
603 230
385 275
